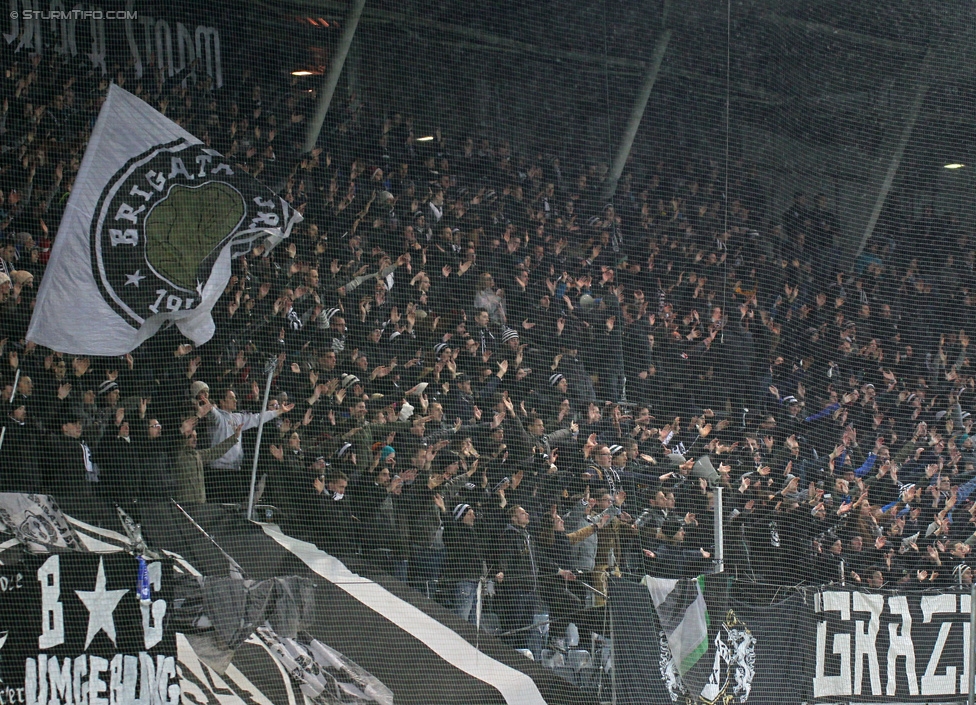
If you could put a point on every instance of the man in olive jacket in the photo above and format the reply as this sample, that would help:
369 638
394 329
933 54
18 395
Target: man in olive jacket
190 462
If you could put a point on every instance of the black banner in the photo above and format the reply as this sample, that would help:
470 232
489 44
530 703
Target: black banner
891 648
134 33
72 630
831 646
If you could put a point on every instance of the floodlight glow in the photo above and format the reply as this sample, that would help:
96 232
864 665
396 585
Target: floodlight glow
302 72
428 138
954 166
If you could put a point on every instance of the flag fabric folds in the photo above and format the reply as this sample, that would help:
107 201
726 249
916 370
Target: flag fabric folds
683 615
151 227
37 521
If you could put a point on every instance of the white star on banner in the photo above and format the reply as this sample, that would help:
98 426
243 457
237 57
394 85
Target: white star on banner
134 279
101 603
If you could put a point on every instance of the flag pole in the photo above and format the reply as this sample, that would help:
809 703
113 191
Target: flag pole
270 369
233 562
13 395
719 532
613 654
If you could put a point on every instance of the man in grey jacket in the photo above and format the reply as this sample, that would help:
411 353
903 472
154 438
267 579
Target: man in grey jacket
226 482
584 551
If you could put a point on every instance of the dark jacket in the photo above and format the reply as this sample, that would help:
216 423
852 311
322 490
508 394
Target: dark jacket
70 470
465 560
517 560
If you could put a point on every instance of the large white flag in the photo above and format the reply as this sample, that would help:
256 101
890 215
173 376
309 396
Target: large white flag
152 224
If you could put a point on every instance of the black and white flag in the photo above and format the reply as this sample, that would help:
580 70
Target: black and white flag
152 224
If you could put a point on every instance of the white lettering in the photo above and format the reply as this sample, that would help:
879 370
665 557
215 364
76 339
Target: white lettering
147 23
933 684
30 681
52 611
265 220
60 681
123 237
27 23
59 28
207 42
136 191
160 295
77 12
164 47
147 679
71 41
900 644
840 684
115 682
46 682
81 687
130 679
130 38
27 40
97 53
14 32
96 686
178 167
41 679
203 160
222 169
11 696
865 643
127 212
185 49
165 671
157 181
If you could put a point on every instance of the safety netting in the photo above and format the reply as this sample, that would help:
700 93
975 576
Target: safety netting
435 352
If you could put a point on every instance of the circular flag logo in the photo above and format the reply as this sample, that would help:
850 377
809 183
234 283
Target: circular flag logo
166 220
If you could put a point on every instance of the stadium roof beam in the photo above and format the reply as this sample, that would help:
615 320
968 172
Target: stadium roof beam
375 16
475 40
846 34
328 89
489 42
636 114
921 88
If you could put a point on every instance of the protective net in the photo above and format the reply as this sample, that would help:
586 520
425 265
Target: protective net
436 352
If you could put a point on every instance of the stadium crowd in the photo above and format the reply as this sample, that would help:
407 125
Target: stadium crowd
484 370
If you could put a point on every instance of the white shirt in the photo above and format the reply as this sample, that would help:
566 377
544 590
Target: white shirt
222 425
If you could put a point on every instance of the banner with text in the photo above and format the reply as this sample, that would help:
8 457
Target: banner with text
73 630
835 646
886 648
174 37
